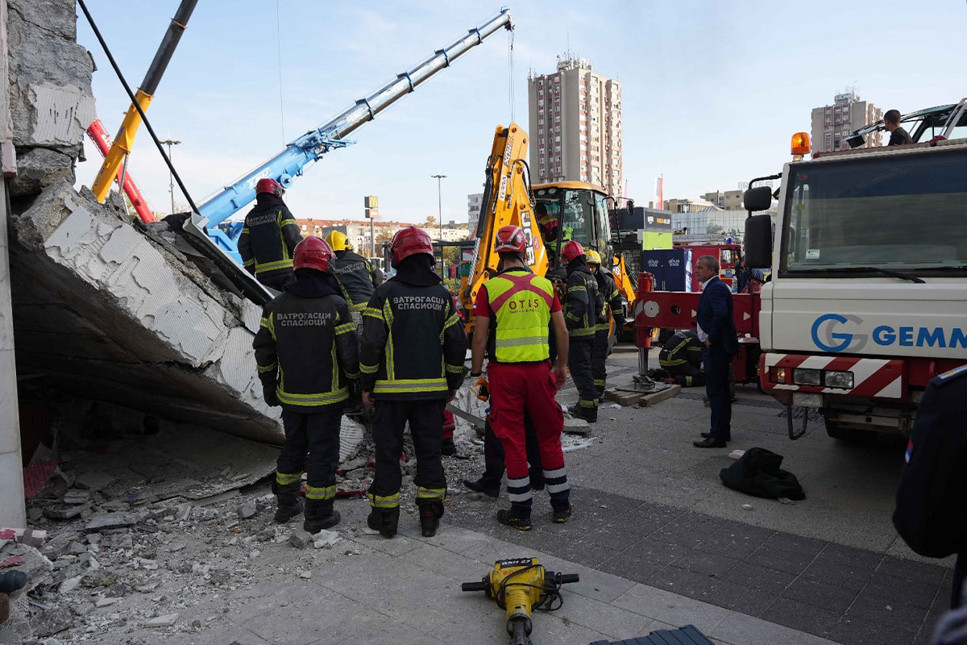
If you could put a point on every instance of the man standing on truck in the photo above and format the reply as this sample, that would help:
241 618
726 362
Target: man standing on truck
269 237
512 313
580 313
411 361
610 308
716 330
356 275
898 136
308 335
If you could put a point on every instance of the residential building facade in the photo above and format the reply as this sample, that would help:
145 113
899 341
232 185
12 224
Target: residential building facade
575 126
832 124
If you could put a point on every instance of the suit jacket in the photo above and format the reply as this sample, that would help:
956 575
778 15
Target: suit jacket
715 316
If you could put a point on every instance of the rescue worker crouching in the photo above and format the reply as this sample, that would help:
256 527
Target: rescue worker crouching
610 308
512 313
306 351
357 277
681 358
580 309
413 350
269 237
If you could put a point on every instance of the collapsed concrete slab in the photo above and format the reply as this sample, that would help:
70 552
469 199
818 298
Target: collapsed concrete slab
104 307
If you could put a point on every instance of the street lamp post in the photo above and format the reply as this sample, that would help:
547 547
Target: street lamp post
171 178
439 201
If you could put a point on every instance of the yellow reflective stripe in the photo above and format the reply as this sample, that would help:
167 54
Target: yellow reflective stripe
603 327
272 266
452 320
368 369
372 312
359 306
671 362
324 398
286 222
285 479
325 492
586 331
521 341
245 231
388 501
388 317
269 323
600 381
576 288
430 493
249 262
353 376
411 385
584 403
268 368
454 369
571 316
345 328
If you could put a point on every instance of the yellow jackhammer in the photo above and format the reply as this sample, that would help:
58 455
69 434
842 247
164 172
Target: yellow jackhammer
520 586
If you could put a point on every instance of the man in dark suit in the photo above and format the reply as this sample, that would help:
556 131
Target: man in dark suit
716 331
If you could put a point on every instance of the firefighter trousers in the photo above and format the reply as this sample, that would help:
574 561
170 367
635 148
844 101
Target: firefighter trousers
599 357
426 427
516 388
317 435
579 355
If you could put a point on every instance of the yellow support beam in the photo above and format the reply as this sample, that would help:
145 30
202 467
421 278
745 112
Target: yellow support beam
122 146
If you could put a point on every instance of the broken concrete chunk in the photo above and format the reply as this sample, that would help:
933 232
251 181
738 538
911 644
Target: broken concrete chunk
76 548
111 520
77 496
247 511
163 621
577 426
94 481
69 585
300 539
325 539
64 512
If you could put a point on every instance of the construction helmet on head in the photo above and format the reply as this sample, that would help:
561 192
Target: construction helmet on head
338 240
593 256
572 250
312 253
510 239
268 185
410 241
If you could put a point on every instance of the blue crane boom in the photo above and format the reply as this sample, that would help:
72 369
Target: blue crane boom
290 163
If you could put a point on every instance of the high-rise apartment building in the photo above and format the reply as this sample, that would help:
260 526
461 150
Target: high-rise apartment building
474 204
832 124
575 126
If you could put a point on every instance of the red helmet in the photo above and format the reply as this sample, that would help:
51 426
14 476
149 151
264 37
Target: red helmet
410 241
312 253
268 185
572 250
511 239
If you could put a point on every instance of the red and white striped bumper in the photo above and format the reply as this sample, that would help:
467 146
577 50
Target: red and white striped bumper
872 377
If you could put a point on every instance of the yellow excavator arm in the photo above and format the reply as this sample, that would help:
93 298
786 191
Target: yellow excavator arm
506 200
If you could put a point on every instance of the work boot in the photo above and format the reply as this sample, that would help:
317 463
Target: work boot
578 411
430 514
448 448
320 515
384 520
289 500
482 486
510 517
561 514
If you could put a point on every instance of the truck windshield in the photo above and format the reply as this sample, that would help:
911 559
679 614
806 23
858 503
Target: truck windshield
904 212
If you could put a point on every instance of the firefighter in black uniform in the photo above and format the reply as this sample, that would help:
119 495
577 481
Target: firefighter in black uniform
308 335
581 305
269 237
681 357
413 351
610 308
357 277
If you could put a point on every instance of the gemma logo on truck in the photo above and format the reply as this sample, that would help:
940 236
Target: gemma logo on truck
830 333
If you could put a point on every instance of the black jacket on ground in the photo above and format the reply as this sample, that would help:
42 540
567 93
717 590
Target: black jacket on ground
357 277
413 345
757 473
268 238
306 347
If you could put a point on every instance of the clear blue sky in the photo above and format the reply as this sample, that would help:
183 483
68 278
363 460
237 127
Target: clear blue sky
712 90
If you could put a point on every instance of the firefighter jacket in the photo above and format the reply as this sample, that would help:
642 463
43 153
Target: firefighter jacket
683 348
357 278
306 348
610 301
582 301
268 238
519 305
413 344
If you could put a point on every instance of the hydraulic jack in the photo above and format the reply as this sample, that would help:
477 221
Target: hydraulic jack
520 586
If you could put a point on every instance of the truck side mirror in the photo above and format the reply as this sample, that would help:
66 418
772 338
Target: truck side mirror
758 240
758 199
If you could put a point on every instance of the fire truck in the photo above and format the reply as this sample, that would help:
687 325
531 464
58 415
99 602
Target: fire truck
868 296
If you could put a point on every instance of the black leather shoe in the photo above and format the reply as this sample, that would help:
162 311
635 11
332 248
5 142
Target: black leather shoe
706 435
478 486
710 443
